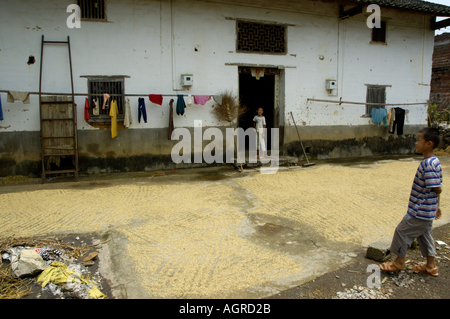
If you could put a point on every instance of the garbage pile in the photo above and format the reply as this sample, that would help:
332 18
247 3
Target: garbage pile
59 268
360 292
393 281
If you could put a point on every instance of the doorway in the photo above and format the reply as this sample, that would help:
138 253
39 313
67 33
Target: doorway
254 93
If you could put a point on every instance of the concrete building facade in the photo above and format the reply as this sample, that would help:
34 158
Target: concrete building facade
316 59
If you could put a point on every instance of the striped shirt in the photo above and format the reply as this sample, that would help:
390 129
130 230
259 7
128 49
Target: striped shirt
423 201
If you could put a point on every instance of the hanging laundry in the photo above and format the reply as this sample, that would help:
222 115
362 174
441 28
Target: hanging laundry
96 108
1 111
113 112
86 109
258 72
142 110
127 120
399 121
171 126
391 118
201 99
105 99
190 100
180 105
379 116
18 96
217 99
156 98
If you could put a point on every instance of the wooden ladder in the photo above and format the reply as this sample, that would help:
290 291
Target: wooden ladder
58 119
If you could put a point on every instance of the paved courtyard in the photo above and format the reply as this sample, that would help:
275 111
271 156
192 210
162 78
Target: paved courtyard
219 233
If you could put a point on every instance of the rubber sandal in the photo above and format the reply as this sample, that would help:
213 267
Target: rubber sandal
423 269
90 257
388 266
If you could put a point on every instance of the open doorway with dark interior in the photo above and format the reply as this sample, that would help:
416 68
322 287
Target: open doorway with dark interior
255 93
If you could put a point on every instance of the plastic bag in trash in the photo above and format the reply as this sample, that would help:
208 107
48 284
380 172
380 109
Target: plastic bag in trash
44 252
12 255
58 273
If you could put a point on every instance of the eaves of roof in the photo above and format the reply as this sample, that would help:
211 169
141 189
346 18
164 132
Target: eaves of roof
418 6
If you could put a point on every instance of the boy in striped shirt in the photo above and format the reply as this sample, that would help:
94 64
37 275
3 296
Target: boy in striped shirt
423 208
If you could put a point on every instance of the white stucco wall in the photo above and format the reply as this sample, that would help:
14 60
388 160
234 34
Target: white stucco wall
137 42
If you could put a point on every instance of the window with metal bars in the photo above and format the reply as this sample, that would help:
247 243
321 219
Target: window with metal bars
109 85
375 94
261 38
92 9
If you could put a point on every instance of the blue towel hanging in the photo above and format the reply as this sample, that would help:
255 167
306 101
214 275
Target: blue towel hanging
379 116
180 105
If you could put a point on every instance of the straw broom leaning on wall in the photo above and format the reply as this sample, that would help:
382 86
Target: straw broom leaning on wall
230 110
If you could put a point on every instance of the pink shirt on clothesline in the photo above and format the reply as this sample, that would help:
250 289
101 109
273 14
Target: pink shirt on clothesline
201 99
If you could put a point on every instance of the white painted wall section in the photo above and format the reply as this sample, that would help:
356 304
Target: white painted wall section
137 42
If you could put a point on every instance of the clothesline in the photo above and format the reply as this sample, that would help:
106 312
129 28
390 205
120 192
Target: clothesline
173 95
366 103
97 94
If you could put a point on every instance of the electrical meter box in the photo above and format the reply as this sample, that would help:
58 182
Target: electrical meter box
331 84
187 79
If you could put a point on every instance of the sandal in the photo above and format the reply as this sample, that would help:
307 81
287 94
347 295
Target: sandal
391 266
91 256
423 269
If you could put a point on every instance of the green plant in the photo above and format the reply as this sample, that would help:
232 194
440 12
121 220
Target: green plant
436 116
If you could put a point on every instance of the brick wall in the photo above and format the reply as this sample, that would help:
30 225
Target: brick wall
441 54
440 78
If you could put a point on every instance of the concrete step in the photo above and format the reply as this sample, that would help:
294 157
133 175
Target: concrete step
281 161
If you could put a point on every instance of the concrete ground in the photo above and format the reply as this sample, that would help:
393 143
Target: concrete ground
219 233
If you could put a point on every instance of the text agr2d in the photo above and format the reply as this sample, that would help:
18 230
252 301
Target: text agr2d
246 308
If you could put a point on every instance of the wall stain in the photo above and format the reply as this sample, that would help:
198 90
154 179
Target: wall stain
94 149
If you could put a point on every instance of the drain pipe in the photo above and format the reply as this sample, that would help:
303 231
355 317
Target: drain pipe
172 34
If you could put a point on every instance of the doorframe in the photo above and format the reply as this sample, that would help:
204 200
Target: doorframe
278 90
279 96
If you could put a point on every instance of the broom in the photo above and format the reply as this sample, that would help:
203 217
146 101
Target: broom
229 110
304 165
